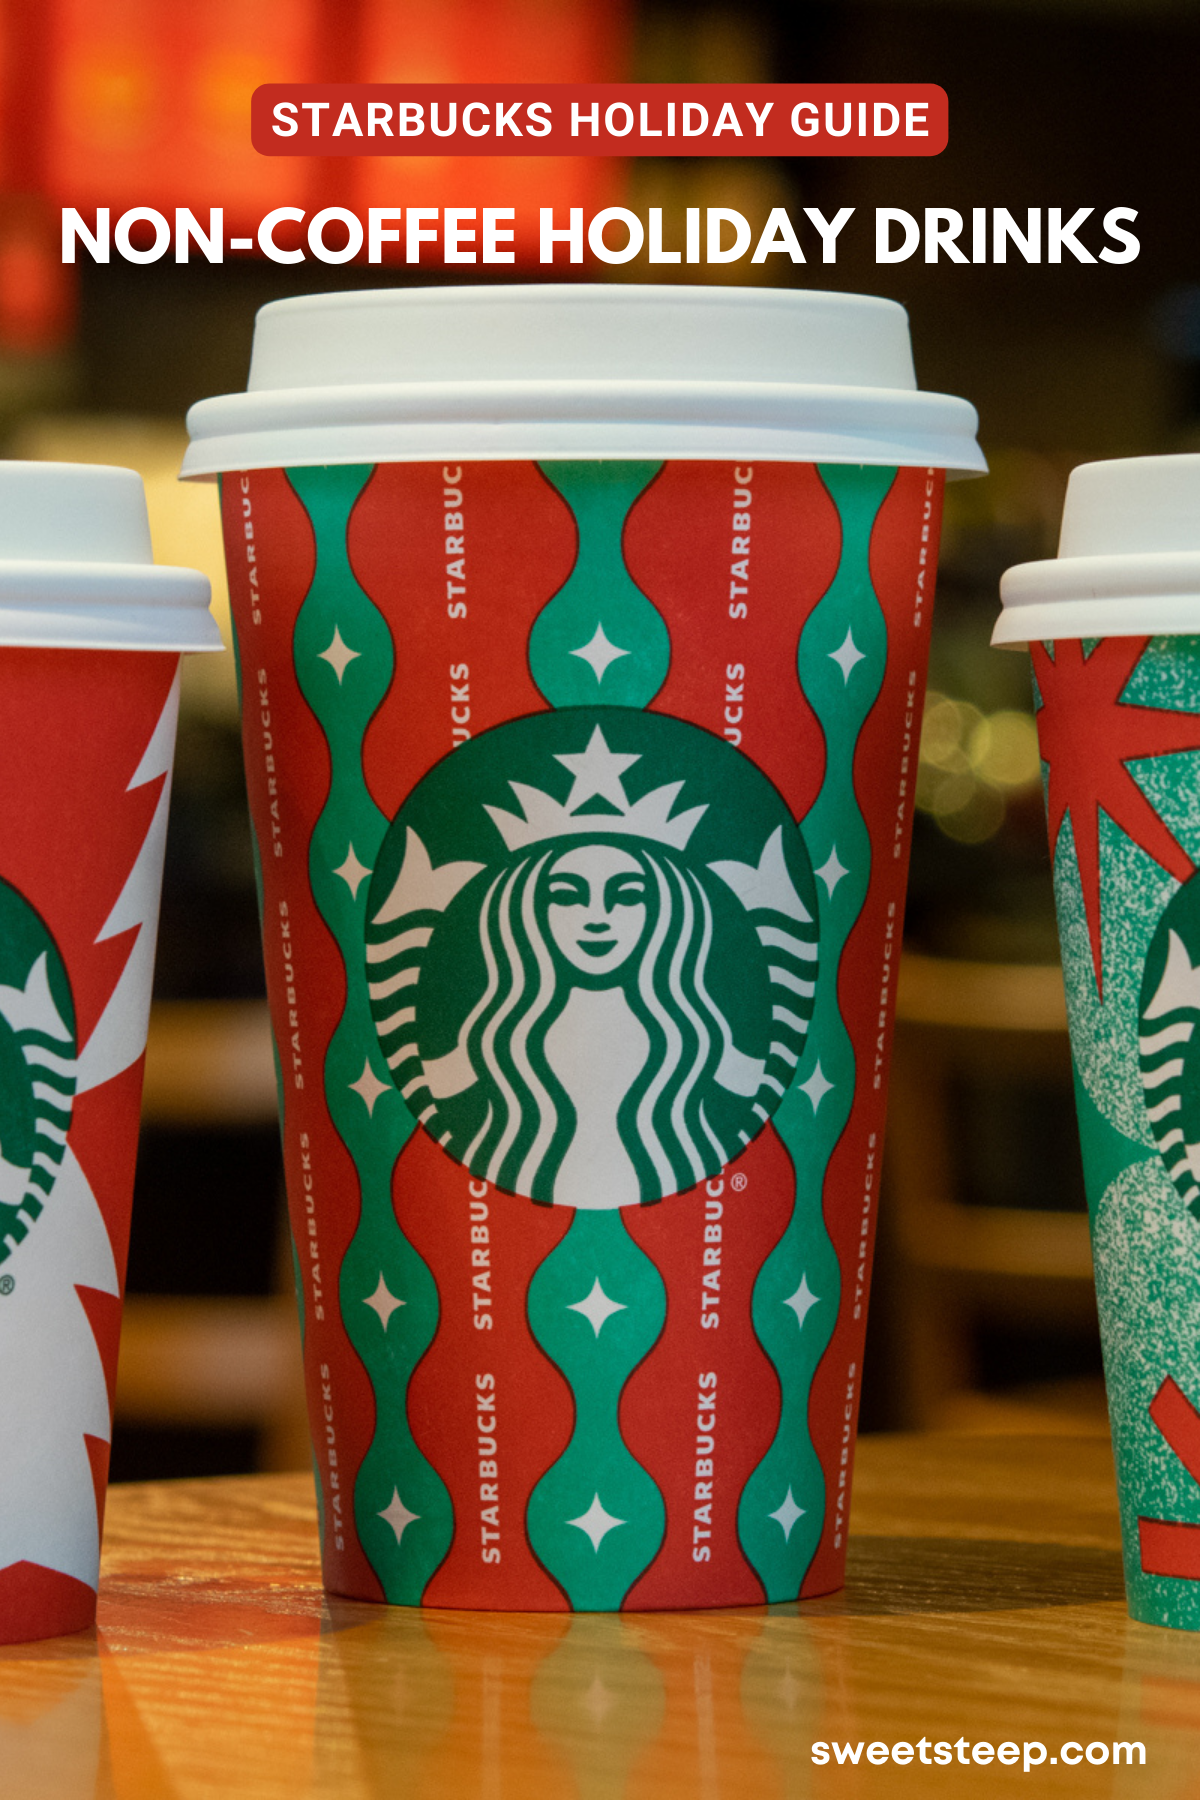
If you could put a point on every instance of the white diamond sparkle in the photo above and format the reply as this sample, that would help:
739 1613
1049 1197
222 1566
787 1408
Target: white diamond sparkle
339 655
848 657
598 653
816 1087
353 872
369 1087
831 871
786 1514
802 1301
597 1308
398 1515
595 1523
385 1303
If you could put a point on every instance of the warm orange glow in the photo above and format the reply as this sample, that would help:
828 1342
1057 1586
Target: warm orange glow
150 103
147 102
37 294
494 40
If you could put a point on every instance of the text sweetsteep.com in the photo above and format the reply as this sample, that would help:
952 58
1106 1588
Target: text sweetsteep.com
963 1753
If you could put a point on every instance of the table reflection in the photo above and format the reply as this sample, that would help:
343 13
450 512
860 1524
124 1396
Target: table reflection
603 1707
51 1723
983 1604
338 1698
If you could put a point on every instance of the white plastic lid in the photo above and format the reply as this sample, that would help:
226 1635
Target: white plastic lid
581 371
1128 559
77 570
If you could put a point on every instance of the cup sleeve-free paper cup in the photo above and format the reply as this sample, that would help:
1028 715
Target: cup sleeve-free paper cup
1113 627
581 771
89 692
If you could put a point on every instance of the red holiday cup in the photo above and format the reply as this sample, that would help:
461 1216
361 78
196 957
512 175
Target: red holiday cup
582 636
90 638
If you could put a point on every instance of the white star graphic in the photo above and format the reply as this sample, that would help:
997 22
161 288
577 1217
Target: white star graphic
398 1515
339 655
598 653
370 1087
597 770
352 872
596 1523
848 656
802 1301
816 1087
597 1307
831 872
787 1514
385 1303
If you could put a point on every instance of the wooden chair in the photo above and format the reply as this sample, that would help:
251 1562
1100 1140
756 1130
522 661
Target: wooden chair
214 1360
944 1265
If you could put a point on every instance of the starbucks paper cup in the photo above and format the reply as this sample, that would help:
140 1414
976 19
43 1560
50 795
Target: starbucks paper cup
90 635
1114 631
582 635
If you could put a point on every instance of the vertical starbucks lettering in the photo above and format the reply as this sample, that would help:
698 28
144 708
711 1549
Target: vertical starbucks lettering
588 717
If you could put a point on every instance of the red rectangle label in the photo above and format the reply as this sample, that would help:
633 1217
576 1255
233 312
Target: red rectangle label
599 119
1170 1547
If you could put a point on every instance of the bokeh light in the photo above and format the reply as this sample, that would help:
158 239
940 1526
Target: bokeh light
971 763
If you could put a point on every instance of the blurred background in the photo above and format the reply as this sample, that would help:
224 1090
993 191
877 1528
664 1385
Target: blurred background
981 1314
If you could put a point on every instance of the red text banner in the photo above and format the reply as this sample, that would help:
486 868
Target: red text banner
600 119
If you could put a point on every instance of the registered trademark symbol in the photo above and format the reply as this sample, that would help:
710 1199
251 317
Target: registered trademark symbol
737 1182
7 1284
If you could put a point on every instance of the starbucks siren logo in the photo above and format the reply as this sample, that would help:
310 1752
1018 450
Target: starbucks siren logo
37 1066
1167 1042
599 996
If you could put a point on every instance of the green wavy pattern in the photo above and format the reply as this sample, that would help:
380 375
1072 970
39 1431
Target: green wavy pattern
599 609
596 1518
596 1306
388 1297
841 659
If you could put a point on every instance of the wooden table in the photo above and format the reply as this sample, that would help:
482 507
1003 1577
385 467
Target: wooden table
984 1603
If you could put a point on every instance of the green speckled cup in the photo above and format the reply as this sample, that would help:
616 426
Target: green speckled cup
1114 632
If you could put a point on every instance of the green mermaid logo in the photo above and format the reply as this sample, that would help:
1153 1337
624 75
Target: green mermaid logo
1168 1014
592 955
37 1066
